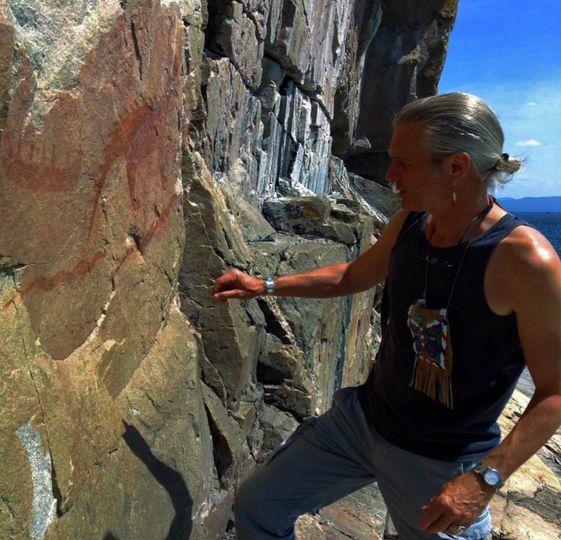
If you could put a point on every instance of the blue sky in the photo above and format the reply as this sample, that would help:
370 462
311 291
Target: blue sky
509 53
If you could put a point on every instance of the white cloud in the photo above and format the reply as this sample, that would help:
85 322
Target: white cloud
529 142
522 122
532 103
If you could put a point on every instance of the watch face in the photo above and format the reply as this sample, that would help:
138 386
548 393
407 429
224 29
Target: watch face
492 477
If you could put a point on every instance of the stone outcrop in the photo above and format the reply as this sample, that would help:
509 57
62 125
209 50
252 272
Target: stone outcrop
147 146
407 54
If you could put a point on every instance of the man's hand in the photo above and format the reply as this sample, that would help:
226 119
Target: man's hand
236 284
460 502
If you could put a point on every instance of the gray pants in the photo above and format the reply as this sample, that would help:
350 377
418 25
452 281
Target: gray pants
333 455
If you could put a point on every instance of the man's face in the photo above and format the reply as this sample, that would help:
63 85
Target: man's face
419 182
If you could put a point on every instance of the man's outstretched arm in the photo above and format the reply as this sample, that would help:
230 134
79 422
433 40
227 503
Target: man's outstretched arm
342 279
529 274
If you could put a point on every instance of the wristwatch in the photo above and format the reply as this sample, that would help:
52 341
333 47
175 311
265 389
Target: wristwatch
490 476
269 285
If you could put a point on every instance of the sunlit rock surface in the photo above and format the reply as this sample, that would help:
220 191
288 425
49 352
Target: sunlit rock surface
145 148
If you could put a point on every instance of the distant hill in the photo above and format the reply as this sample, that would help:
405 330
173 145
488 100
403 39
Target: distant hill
531 204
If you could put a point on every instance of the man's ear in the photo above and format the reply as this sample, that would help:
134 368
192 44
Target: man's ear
459 164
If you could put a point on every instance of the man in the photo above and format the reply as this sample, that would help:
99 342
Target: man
472 295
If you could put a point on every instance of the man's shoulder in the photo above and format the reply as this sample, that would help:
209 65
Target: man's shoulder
523 267
525 249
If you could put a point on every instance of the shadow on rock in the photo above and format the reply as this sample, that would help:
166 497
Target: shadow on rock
169 479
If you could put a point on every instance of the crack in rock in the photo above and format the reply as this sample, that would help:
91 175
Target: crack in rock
545 503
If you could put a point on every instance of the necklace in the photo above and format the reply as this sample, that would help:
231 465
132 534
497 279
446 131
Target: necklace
430 329
474 221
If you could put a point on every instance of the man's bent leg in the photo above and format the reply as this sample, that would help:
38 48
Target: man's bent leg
407 482
313 469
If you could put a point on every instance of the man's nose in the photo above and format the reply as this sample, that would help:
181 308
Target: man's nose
392 173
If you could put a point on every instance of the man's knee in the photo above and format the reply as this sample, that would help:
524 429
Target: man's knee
258 505
251 499
257 515
244 499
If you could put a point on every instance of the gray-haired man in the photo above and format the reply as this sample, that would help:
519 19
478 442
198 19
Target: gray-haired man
472 295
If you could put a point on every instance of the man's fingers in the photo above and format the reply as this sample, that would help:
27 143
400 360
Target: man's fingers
226 295
440 514
224 282
238 294
440 525
432 512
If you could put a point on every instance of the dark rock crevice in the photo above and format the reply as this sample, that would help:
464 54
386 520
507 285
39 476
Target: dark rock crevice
273 325
137 49
222 454
545 503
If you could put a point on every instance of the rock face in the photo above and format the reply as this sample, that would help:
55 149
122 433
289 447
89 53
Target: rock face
407 54
147 146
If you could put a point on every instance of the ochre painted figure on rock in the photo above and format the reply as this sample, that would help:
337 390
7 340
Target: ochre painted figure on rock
472 295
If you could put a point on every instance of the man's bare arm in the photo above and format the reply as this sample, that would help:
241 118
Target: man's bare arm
342 279
527 275
534 284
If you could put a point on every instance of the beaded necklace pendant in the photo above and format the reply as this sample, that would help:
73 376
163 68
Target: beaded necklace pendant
430 328
432 369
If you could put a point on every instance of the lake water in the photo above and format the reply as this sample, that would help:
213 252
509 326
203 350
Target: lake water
550 226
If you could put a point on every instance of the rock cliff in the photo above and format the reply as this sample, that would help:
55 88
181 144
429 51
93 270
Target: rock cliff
146 146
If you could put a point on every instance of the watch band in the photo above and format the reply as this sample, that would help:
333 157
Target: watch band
491 477
269 285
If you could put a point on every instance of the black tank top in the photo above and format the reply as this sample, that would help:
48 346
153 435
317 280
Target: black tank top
488 358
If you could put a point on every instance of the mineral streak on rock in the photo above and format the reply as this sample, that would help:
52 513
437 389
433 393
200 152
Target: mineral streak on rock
48 284
137 137
44 503
70 146
29 163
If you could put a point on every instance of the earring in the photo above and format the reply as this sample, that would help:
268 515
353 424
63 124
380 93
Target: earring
454 198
